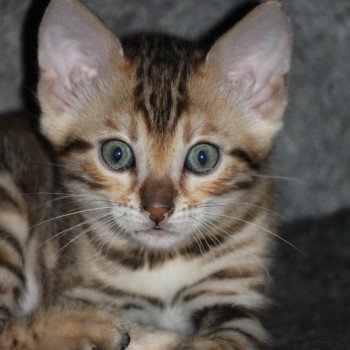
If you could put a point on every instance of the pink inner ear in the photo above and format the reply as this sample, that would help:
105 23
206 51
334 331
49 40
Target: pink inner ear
267 99
254 56
75 48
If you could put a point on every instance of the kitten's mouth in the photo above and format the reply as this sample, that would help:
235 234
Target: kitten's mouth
156 231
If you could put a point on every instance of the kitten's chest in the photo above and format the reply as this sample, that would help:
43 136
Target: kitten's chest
162 281
161 285
148 295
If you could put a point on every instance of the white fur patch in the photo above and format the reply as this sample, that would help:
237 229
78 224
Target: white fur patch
31 295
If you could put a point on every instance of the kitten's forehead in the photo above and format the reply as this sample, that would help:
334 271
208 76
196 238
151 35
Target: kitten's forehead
163 66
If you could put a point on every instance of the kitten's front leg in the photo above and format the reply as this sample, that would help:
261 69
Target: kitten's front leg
228 337
223 339
152 339
232 341
82 328
72 328
239 334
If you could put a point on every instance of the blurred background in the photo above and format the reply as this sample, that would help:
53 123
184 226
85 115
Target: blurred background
312 157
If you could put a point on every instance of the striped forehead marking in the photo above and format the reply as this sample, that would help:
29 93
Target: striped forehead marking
163 65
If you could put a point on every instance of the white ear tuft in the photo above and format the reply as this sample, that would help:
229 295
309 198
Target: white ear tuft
257 50
75 49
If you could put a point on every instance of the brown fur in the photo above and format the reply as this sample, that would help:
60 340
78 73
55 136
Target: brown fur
102 253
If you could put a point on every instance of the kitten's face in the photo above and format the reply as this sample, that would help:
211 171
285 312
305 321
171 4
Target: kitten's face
161 142
190 164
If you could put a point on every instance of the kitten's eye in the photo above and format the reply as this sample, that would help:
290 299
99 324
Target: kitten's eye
117 154
202 158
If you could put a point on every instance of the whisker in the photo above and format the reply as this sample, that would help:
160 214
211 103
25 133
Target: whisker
286 178
240 242
245 204
203 223
197 240
74 200
200 244
258 226
69 214
59 234
77 237
110 222
46 163
46 193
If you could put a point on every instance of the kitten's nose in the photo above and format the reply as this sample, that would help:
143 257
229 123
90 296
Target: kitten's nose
157 213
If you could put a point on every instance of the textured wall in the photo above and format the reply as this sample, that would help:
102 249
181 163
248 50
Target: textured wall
314 148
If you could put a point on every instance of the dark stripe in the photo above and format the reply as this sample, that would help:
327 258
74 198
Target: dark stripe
210 292
118 293
132 259
182 98
232 273
214 316
224 274
5 311
162 68
17 293
243 185
12 268
139 96
205 245
242 155
80 301
4 289
75 145
258 344
12 241
8 199
129 306
89 183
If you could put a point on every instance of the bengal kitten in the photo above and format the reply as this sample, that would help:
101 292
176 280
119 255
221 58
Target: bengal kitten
153 228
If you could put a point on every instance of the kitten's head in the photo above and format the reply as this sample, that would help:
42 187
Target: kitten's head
162 136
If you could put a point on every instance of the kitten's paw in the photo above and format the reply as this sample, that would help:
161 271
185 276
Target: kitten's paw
144 338
118 344
205 344
77 329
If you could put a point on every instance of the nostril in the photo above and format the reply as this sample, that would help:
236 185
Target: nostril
157 214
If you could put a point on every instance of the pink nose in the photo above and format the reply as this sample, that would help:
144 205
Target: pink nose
157 213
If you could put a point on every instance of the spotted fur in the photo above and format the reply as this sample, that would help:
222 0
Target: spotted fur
154 256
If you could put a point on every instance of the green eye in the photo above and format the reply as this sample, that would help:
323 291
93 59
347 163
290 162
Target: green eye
202 158
117 154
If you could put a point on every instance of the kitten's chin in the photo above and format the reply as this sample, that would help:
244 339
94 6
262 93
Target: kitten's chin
156 232
158 238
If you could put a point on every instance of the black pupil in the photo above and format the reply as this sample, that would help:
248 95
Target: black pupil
202 158
117 154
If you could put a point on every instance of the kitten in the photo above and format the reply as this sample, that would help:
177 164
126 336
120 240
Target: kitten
153 230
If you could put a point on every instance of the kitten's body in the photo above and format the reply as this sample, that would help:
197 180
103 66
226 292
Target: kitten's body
201 273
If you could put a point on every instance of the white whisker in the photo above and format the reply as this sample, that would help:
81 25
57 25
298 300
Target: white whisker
258 226
244 245
59 234
286 178
69 214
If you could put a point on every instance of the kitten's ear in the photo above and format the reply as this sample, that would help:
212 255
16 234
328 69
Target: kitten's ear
75 49
254 56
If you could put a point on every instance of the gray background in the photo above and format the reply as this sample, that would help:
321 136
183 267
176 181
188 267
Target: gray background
312 282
